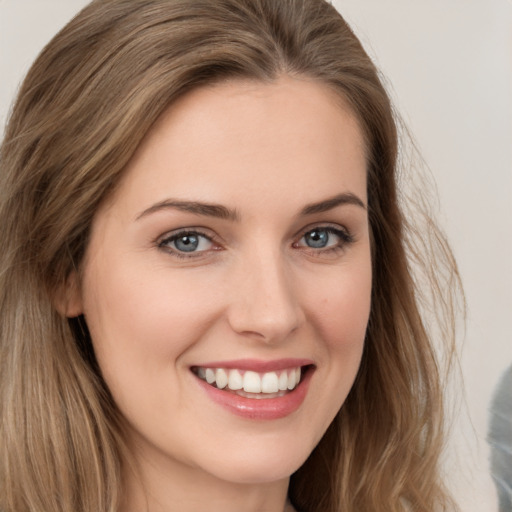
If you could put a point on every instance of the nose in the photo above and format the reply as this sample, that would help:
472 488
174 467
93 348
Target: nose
265 305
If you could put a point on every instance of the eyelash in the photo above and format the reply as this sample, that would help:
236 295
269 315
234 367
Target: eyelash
165 243
345 238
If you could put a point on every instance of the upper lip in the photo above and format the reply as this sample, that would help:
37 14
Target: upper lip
258 365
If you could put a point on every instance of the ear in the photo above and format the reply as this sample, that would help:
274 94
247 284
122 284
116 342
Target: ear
68 297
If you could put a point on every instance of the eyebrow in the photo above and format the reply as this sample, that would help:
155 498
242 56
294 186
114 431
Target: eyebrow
222 212
333 202
210 210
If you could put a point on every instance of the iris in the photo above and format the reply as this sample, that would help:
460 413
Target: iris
317 238
187 243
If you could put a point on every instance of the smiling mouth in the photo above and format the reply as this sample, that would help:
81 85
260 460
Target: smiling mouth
251 384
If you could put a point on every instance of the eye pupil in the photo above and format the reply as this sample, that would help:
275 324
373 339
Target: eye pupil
187 243
317 238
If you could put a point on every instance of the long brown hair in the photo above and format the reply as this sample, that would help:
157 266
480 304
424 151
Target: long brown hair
84 107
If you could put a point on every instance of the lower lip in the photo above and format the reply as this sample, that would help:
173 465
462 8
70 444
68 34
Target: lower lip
263 408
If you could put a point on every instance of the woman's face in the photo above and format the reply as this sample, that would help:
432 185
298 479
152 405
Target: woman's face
234 254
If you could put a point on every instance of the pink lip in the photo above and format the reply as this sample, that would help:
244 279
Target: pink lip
259 409
257 365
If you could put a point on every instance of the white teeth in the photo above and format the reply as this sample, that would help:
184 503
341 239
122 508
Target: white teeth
221 378
291 380
267 385
252 382
283 381
235 380
210 376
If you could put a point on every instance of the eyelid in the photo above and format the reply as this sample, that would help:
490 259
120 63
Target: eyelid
345 235
163 241
328 226
175 234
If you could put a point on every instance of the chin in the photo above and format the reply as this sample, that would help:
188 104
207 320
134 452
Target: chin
260 464
271 470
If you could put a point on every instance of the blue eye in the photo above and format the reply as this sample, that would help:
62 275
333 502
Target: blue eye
325 238
187 242
317 238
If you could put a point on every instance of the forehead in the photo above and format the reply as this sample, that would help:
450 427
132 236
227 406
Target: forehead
239 139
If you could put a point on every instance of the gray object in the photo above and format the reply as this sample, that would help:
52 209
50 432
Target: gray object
500 440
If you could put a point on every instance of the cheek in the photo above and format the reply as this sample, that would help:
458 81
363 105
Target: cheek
342 309
339 309
141 320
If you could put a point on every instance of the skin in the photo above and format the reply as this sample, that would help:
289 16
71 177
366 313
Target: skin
253 289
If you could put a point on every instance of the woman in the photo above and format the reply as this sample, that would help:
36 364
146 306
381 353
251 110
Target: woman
206 297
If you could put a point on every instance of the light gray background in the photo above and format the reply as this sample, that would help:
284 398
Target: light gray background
449 67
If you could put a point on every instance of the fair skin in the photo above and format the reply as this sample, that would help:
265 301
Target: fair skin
237 239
